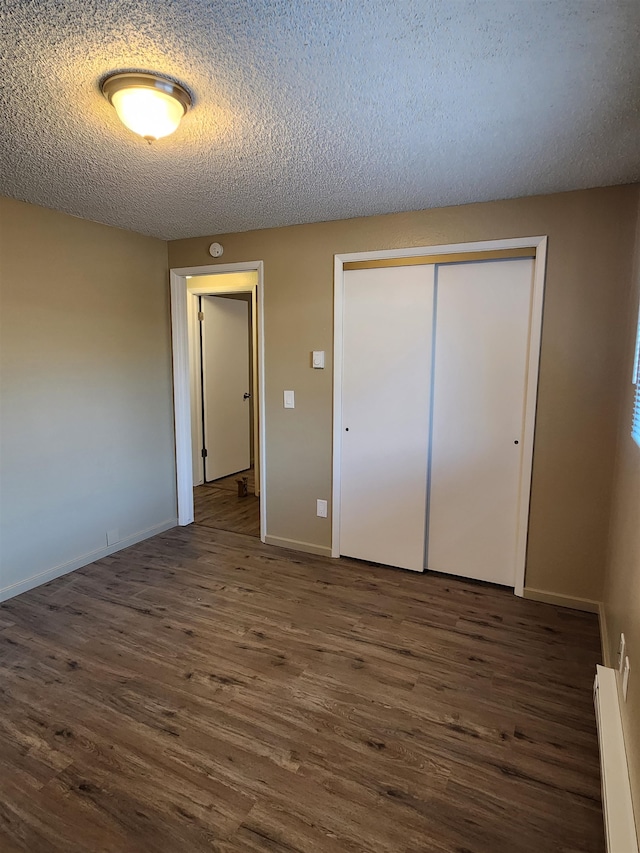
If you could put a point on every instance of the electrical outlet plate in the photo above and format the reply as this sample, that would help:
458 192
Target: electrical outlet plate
321 509
625 678
113 536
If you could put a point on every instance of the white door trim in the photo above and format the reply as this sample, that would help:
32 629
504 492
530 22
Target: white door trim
181 382
540 245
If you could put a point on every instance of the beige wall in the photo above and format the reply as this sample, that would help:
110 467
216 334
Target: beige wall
590 240
622 586
86 425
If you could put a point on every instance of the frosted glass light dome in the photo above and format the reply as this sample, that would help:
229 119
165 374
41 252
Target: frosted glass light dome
148 105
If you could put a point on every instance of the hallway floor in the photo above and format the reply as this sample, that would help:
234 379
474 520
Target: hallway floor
218 506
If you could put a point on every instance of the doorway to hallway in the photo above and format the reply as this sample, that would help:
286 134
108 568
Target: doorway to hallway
226 497
219 327
224 366
221 504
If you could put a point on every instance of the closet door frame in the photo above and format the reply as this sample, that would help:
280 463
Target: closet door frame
539 244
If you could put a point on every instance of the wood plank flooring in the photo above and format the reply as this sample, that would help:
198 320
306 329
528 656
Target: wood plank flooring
218 506
203 692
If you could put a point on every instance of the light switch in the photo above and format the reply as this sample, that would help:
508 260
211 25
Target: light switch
289 400
318 359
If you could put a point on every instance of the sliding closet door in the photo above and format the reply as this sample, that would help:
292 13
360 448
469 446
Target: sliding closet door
480 367
388 318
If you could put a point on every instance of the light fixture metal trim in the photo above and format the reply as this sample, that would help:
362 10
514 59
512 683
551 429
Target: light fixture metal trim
143 80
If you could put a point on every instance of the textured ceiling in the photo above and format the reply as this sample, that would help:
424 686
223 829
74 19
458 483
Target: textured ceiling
307 110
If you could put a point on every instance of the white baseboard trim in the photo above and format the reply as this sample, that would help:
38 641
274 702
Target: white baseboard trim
587 604
78 562
295 545
604 636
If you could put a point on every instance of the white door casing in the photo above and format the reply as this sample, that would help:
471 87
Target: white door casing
385 385
195 387
226 382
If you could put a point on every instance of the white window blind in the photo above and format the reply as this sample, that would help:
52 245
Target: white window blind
635 422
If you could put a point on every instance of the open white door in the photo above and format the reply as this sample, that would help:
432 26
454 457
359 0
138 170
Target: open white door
226 385
386 379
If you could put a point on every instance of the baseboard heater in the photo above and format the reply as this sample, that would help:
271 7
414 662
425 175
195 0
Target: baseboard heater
617 806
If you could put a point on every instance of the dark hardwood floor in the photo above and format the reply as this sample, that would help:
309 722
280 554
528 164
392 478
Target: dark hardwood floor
203 692
218 506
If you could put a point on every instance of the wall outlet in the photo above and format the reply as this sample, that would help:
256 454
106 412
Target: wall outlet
622 648
113 536
625 678
321 509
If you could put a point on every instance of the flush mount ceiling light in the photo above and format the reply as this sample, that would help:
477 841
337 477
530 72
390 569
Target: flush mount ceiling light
149 105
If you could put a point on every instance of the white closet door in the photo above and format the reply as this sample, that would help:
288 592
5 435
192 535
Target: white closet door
388 318
225 361
481 348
